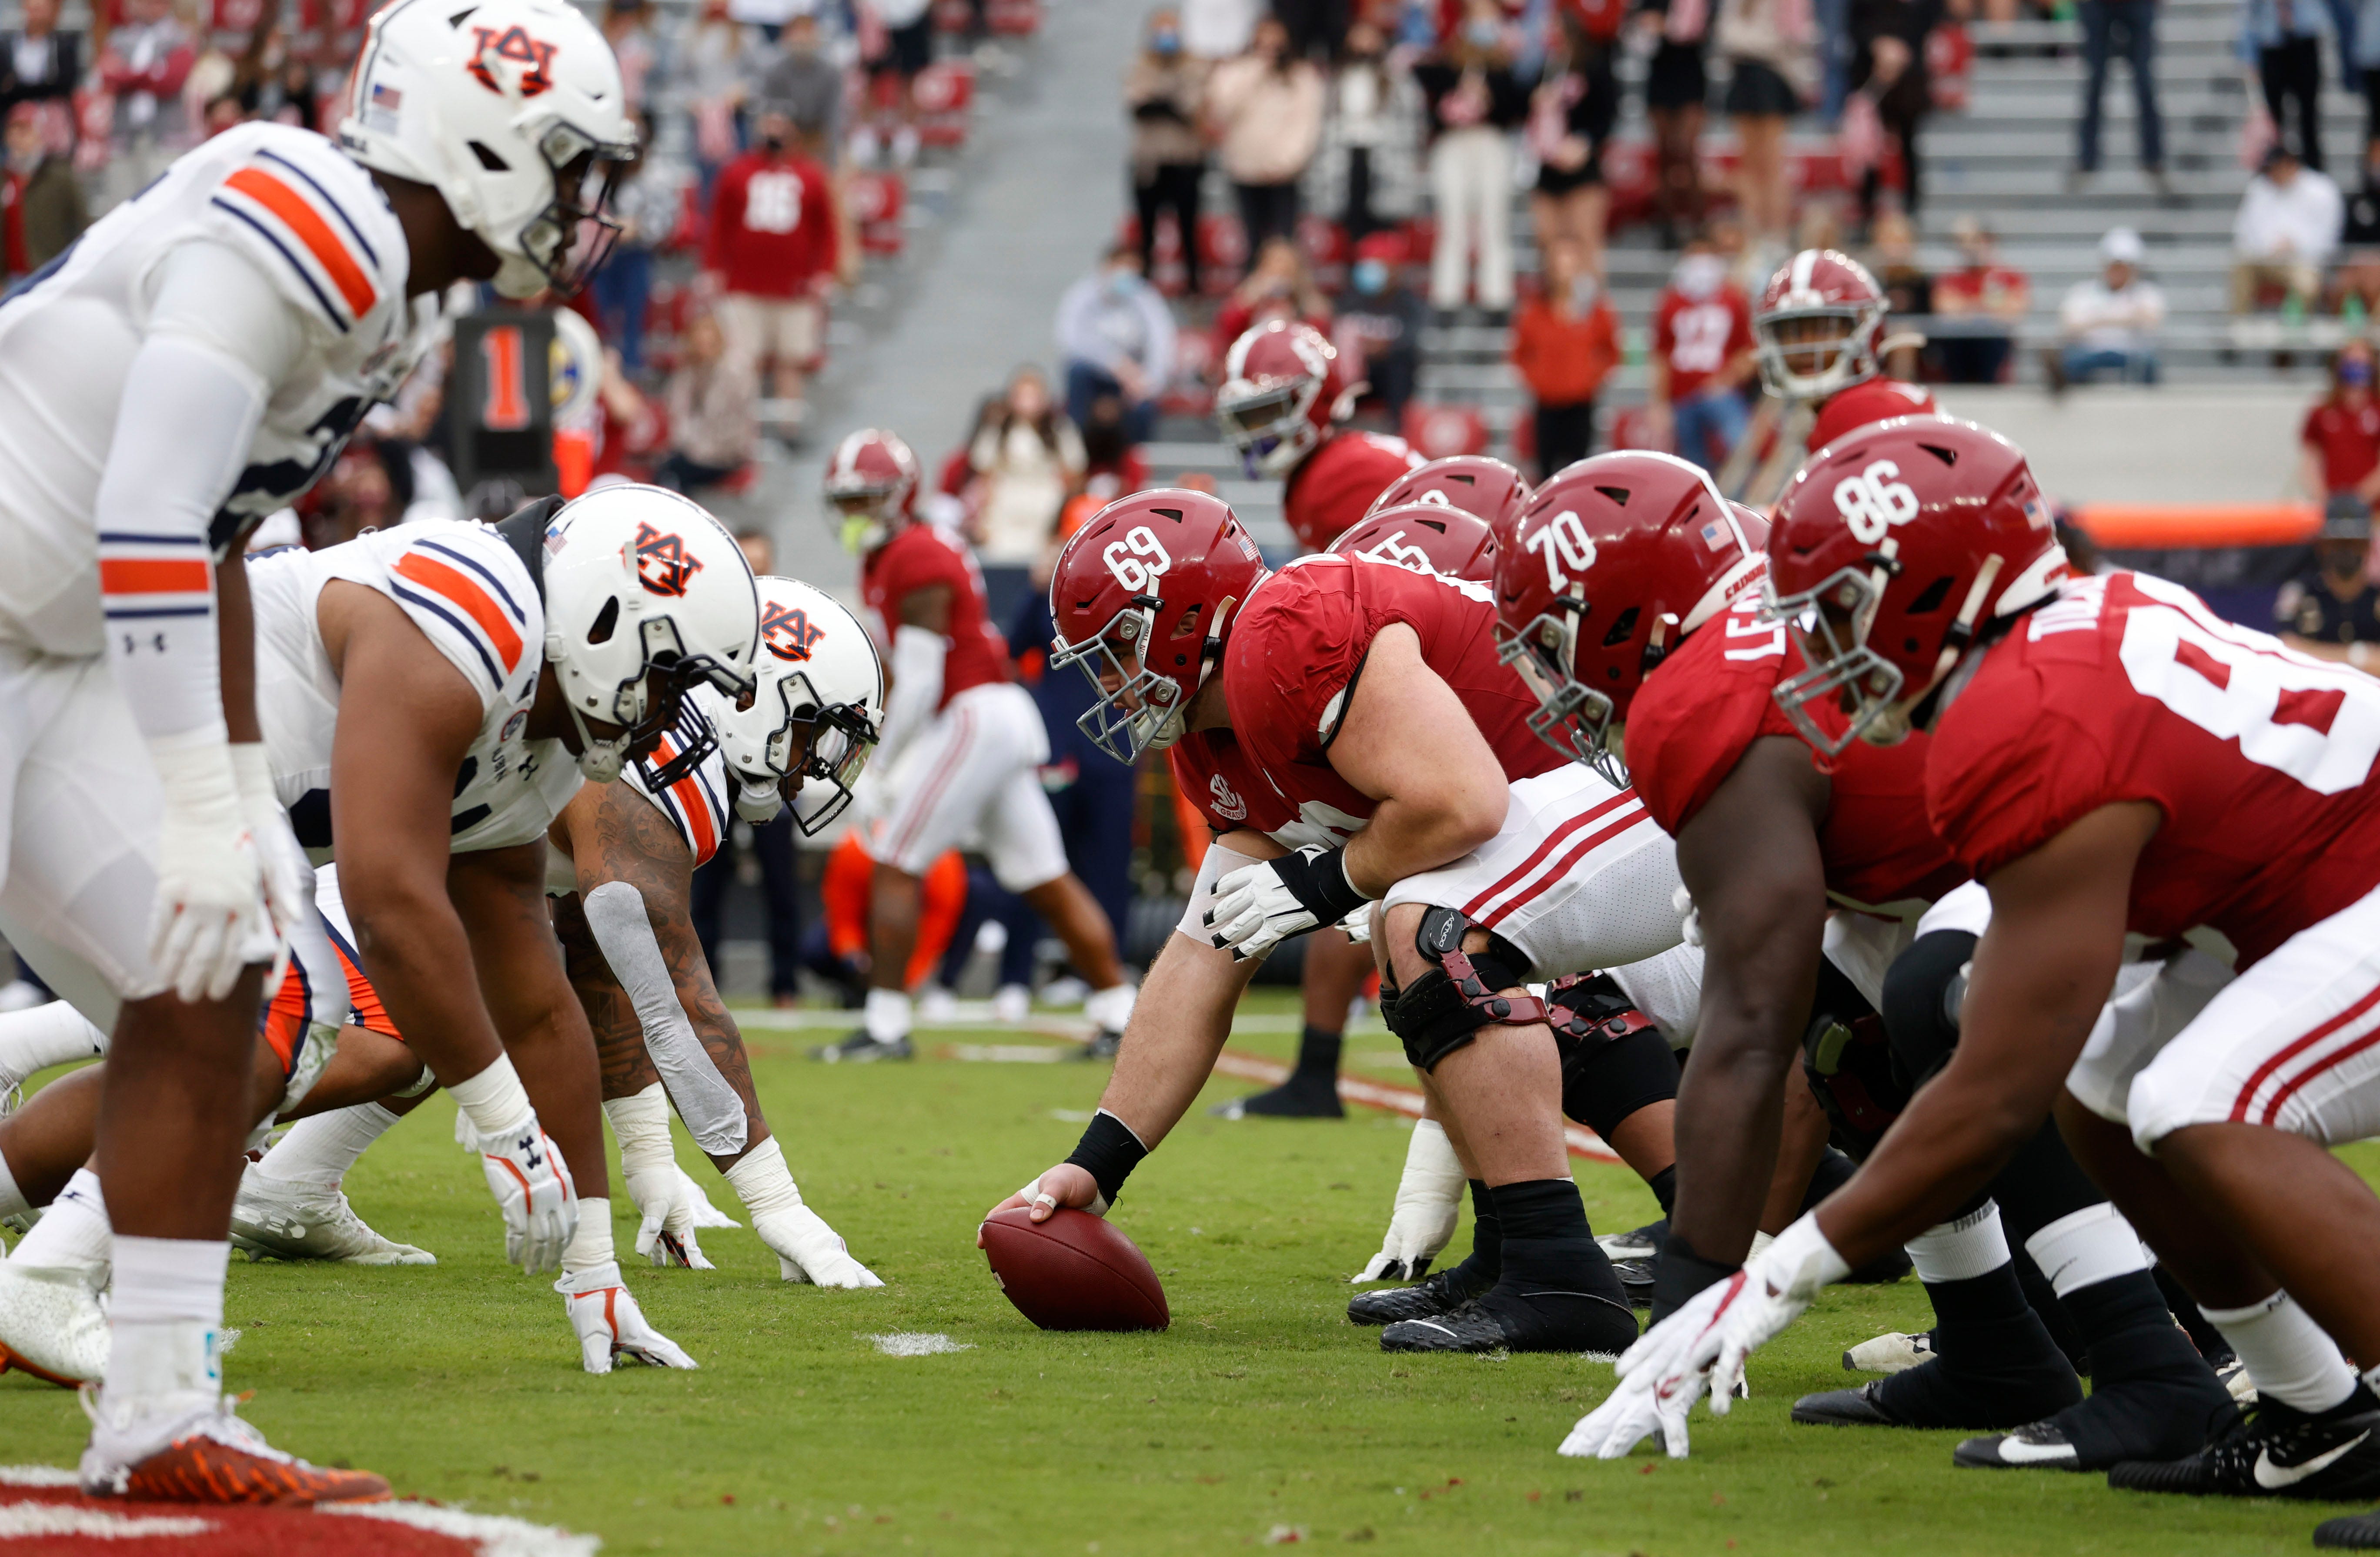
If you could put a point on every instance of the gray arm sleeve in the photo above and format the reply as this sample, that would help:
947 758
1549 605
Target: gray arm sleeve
713 1112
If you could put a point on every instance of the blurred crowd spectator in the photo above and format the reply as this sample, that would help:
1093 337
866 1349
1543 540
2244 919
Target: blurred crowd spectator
1987 298
2287 227
2109 325
1115 335
1565 343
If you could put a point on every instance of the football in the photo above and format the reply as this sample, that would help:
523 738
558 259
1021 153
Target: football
1074 1272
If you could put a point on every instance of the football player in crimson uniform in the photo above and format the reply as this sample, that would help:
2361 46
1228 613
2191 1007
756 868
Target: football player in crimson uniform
2108 757
1818 332
625 856
1281 406
1476 483
243 312
1488 855
962 748
1785 853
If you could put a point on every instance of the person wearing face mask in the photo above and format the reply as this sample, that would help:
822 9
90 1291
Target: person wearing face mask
1564 345
1379 322
771 257
807 87
2339 446
1167 159
1116 336
1475 102
1702 356
1263 111
2333 611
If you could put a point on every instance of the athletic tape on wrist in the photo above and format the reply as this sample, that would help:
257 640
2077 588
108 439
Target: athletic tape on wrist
1109 1151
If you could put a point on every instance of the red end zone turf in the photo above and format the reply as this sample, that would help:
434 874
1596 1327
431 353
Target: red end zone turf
42 1512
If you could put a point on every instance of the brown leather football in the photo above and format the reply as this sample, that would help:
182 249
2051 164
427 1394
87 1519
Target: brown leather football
1074 1272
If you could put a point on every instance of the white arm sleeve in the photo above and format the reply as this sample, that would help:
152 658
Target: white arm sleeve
1220 863
918 657
713 1112
218 338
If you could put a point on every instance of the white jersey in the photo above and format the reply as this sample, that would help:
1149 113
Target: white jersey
316 227
695 805
471 595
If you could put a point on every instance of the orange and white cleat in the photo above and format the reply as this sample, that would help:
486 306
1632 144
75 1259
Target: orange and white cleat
204 1454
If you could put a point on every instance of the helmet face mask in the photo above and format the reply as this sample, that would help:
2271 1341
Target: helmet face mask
1138 709
1817 326
567 242
692 739
1829 625
1572 718
1268 424
1282 392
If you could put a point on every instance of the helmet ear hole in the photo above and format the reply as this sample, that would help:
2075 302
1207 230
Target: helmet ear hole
605 621
1621 628
1936 594
488 158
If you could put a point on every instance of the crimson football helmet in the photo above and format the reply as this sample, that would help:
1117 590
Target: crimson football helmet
1423 538
1282 392
1141 599
1890 546
1817 326
1476 483
1615 560
872 480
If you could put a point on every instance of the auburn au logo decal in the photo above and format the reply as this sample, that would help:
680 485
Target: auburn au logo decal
514 45
787 632
662 566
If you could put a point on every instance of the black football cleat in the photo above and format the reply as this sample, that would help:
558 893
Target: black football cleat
1645 1243
2273 1450
1300 1097
1933 1395
1513 1319
2353 1532
2035 1446
1442 1293
861 1050
1636 1281
1101 1046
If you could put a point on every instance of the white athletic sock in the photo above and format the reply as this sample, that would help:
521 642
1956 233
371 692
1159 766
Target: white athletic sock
73 1234
590 1247
12 1200
493 1100
763 1182
45 1036
163 1317
1973 1245
2287 1355
2085 1247
320 1148
640 1124
887 1016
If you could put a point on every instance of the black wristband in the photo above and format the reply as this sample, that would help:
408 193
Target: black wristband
1317 879
1109 1151
1678 1273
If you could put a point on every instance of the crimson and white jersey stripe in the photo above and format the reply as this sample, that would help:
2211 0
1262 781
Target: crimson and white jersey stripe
1565 848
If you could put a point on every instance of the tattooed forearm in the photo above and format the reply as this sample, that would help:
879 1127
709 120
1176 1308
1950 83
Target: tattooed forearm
619 1035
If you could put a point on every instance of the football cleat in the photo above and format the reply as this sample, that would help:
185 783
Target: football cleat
1892 1352
861 1050
53 1322
2233 1377
1513 1319
273 1219
2352 1532
2272 1449
2037 1445
611 1327
1300 1097
205 1455
1635 1280
1442 1292
1645 1243
1101 1047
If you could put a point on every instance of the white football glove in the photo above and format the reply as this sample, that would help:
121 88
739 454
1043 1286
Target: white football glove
1359 926
209 881
1690 919
1258 906
533 1188
809 1250
705 1214
1709 1337
1429 1200
611 1326
666 1235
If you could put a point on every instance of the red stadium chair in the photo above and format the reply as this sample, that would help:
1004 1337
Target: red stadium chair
1439 431
879 201
1014 18
1222 253
946 90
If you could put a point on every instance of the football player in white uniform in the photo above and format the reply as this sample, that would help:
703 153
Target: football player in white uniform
187 366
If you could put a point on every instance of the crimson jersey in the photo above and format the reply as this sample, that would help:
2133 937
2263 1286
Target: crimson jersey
918 557
2126 687
1705 705
1332 487
1296 651
1698 338
1873 400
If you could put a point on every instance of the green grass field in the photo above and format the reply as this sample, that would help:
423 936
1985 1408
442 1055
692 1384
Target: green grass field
1261 1412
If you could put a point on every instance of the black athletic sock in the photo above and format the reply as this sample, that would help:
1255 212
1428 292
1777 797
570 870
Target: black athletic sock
1834 1171
2153 1397
1664 1185
1542 1209
2054 1316
1484 1264
1994 1366
1678 1273
1317 1055
1566 1288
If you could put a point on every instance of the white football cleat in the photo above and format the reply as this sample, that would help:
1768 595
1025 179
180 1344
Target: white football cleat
52 1321
276 1219
611 1326
1890 1353
809 1250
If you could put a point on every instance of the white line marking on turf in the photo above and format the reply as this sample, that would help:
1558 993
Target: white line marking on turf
919 1344
28 1521
38 1475
1010 1053
1407 1100
977 1013
496 1535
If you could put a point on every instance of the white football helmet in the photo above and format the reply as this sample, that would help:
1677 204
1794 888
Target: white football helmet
639 579
511 109
816 680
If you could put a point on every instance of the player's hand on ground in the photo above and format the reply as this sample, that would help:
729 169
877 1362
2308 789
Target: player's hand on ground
705 1214
1258 906
611 1327
1064 1185
1429 1201
665 1200
532 1186
810 1251
1631 1414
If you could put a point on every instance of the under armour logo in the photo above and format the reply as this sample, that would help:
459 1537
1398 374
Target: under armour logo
662 566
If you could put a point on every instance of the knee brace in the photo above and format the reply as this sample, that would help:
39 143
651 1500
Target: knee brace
1851 1068
1614 1061
1444 1009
